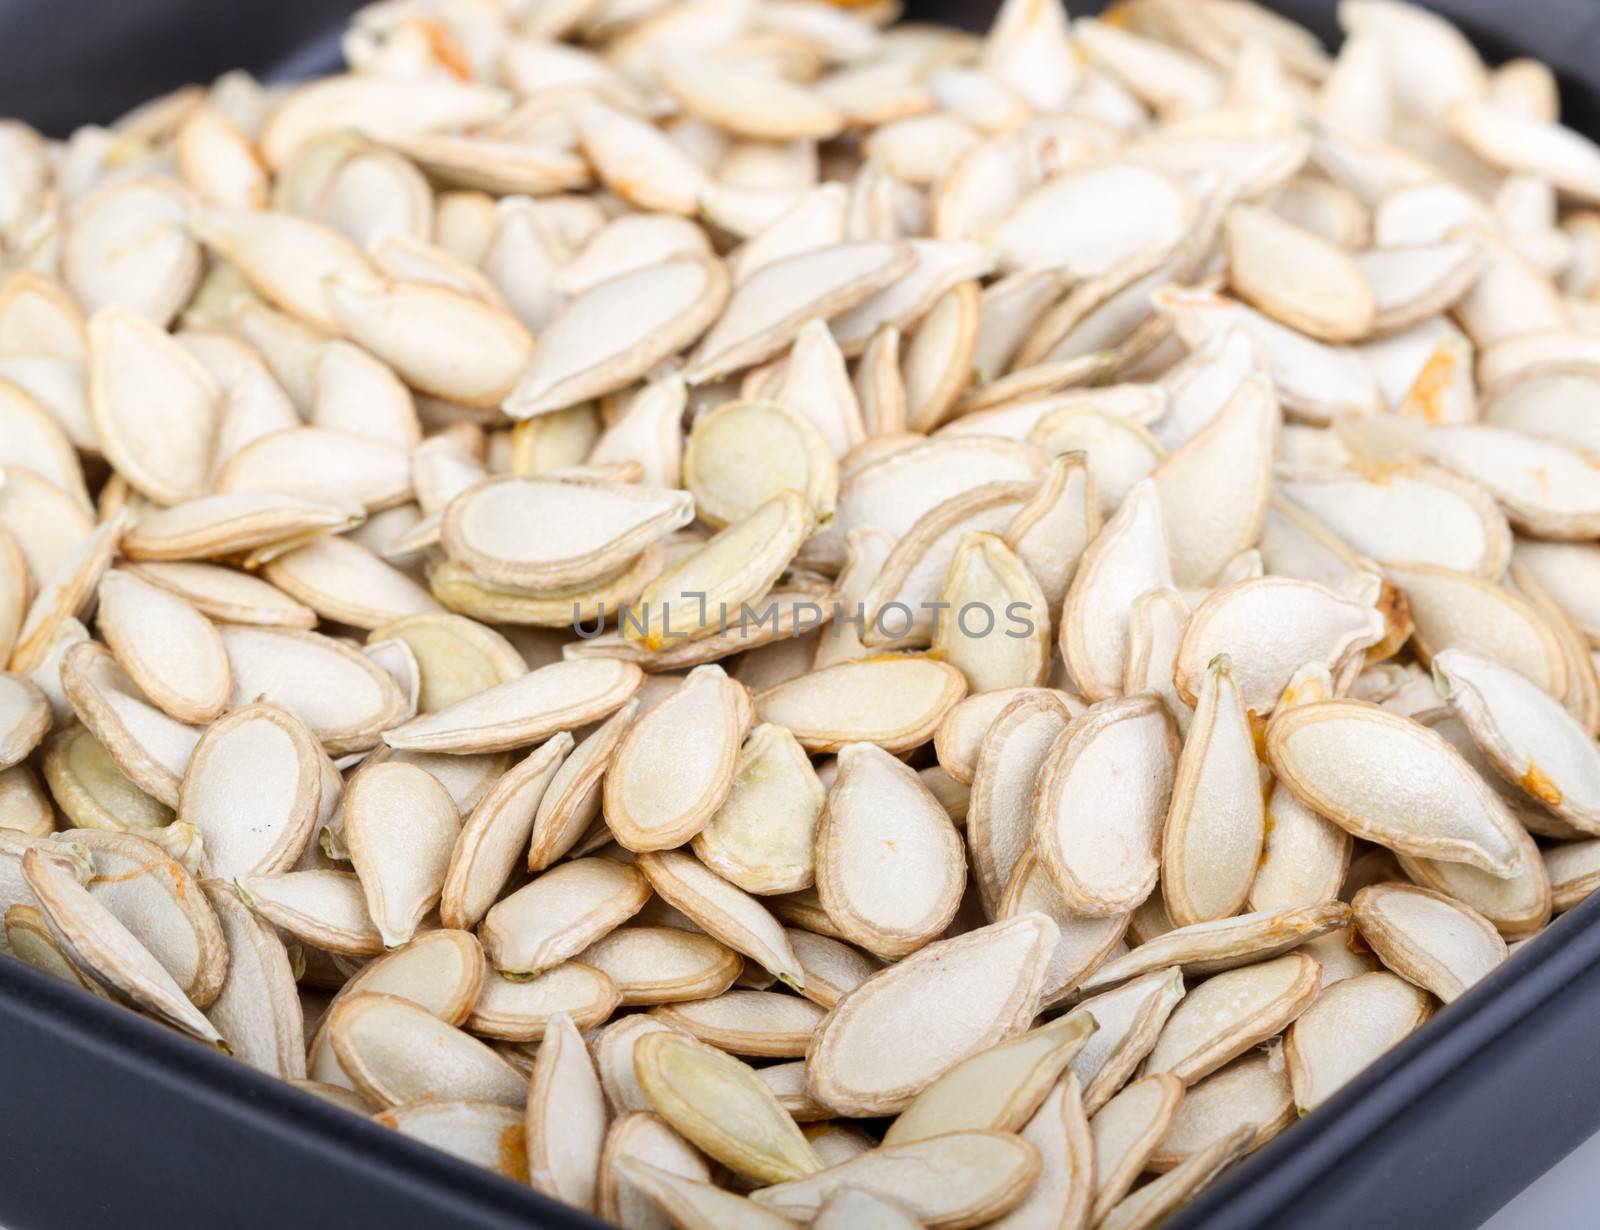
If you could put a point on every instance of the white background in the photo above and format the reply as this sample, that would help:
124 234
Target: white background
1563 1198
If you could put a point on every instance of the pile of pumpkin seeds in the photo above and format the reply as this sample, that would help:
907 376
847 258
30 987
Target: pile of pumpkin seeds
753 616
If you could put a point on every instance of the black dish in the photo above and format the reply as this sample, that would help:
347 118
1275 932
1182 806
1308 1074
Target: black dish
112 1121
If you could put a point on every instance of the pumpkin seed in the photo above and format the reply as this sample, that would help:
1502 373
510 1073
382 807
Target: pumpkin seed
694 1204
1211 848
1251 1092
832 968
134 366
561 696
1311 624
725 912
144 626
483 1133
638 1137
986 1174
96 943
29 940
1127 559
1436 808
442 971
24 718
1126 1132
896 702
397 1052
851 1206
344 698
565 1118
772 1024
493 835
522 1011
160 904
1351 1024
222 524
889 868
457 657
125 248
720 1106
225 595
983 985
1229 1013
1151 1204
150 748
89 788
663 965
1326 297
1000 811
668 305
961 735
762 837
252 791
1098 840
986 575
572 797
257 1009
504 529
1225 943
324 908
400 826
24 804
995 1090
1428 938
913 574
560 913
1530 739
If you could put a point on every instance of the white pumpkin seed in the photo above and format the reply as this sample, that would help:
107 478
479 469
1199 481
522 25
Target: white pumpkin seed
400 826
252 791
983 986
668 305
1351 1024
150 748
1228 1014
483 1133
560 913
1128 558
762 837
695 1204
722 1107
572 797
1251 1092
561 696
1225 943
889 864
504 529
1428 938
1126 1132
1436 808
1000 811
1097 832
1529 739
725 912
985 1174
1211 848
324 908
894 701
397 1052
492 837
1309 624
996 1090
257 1009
